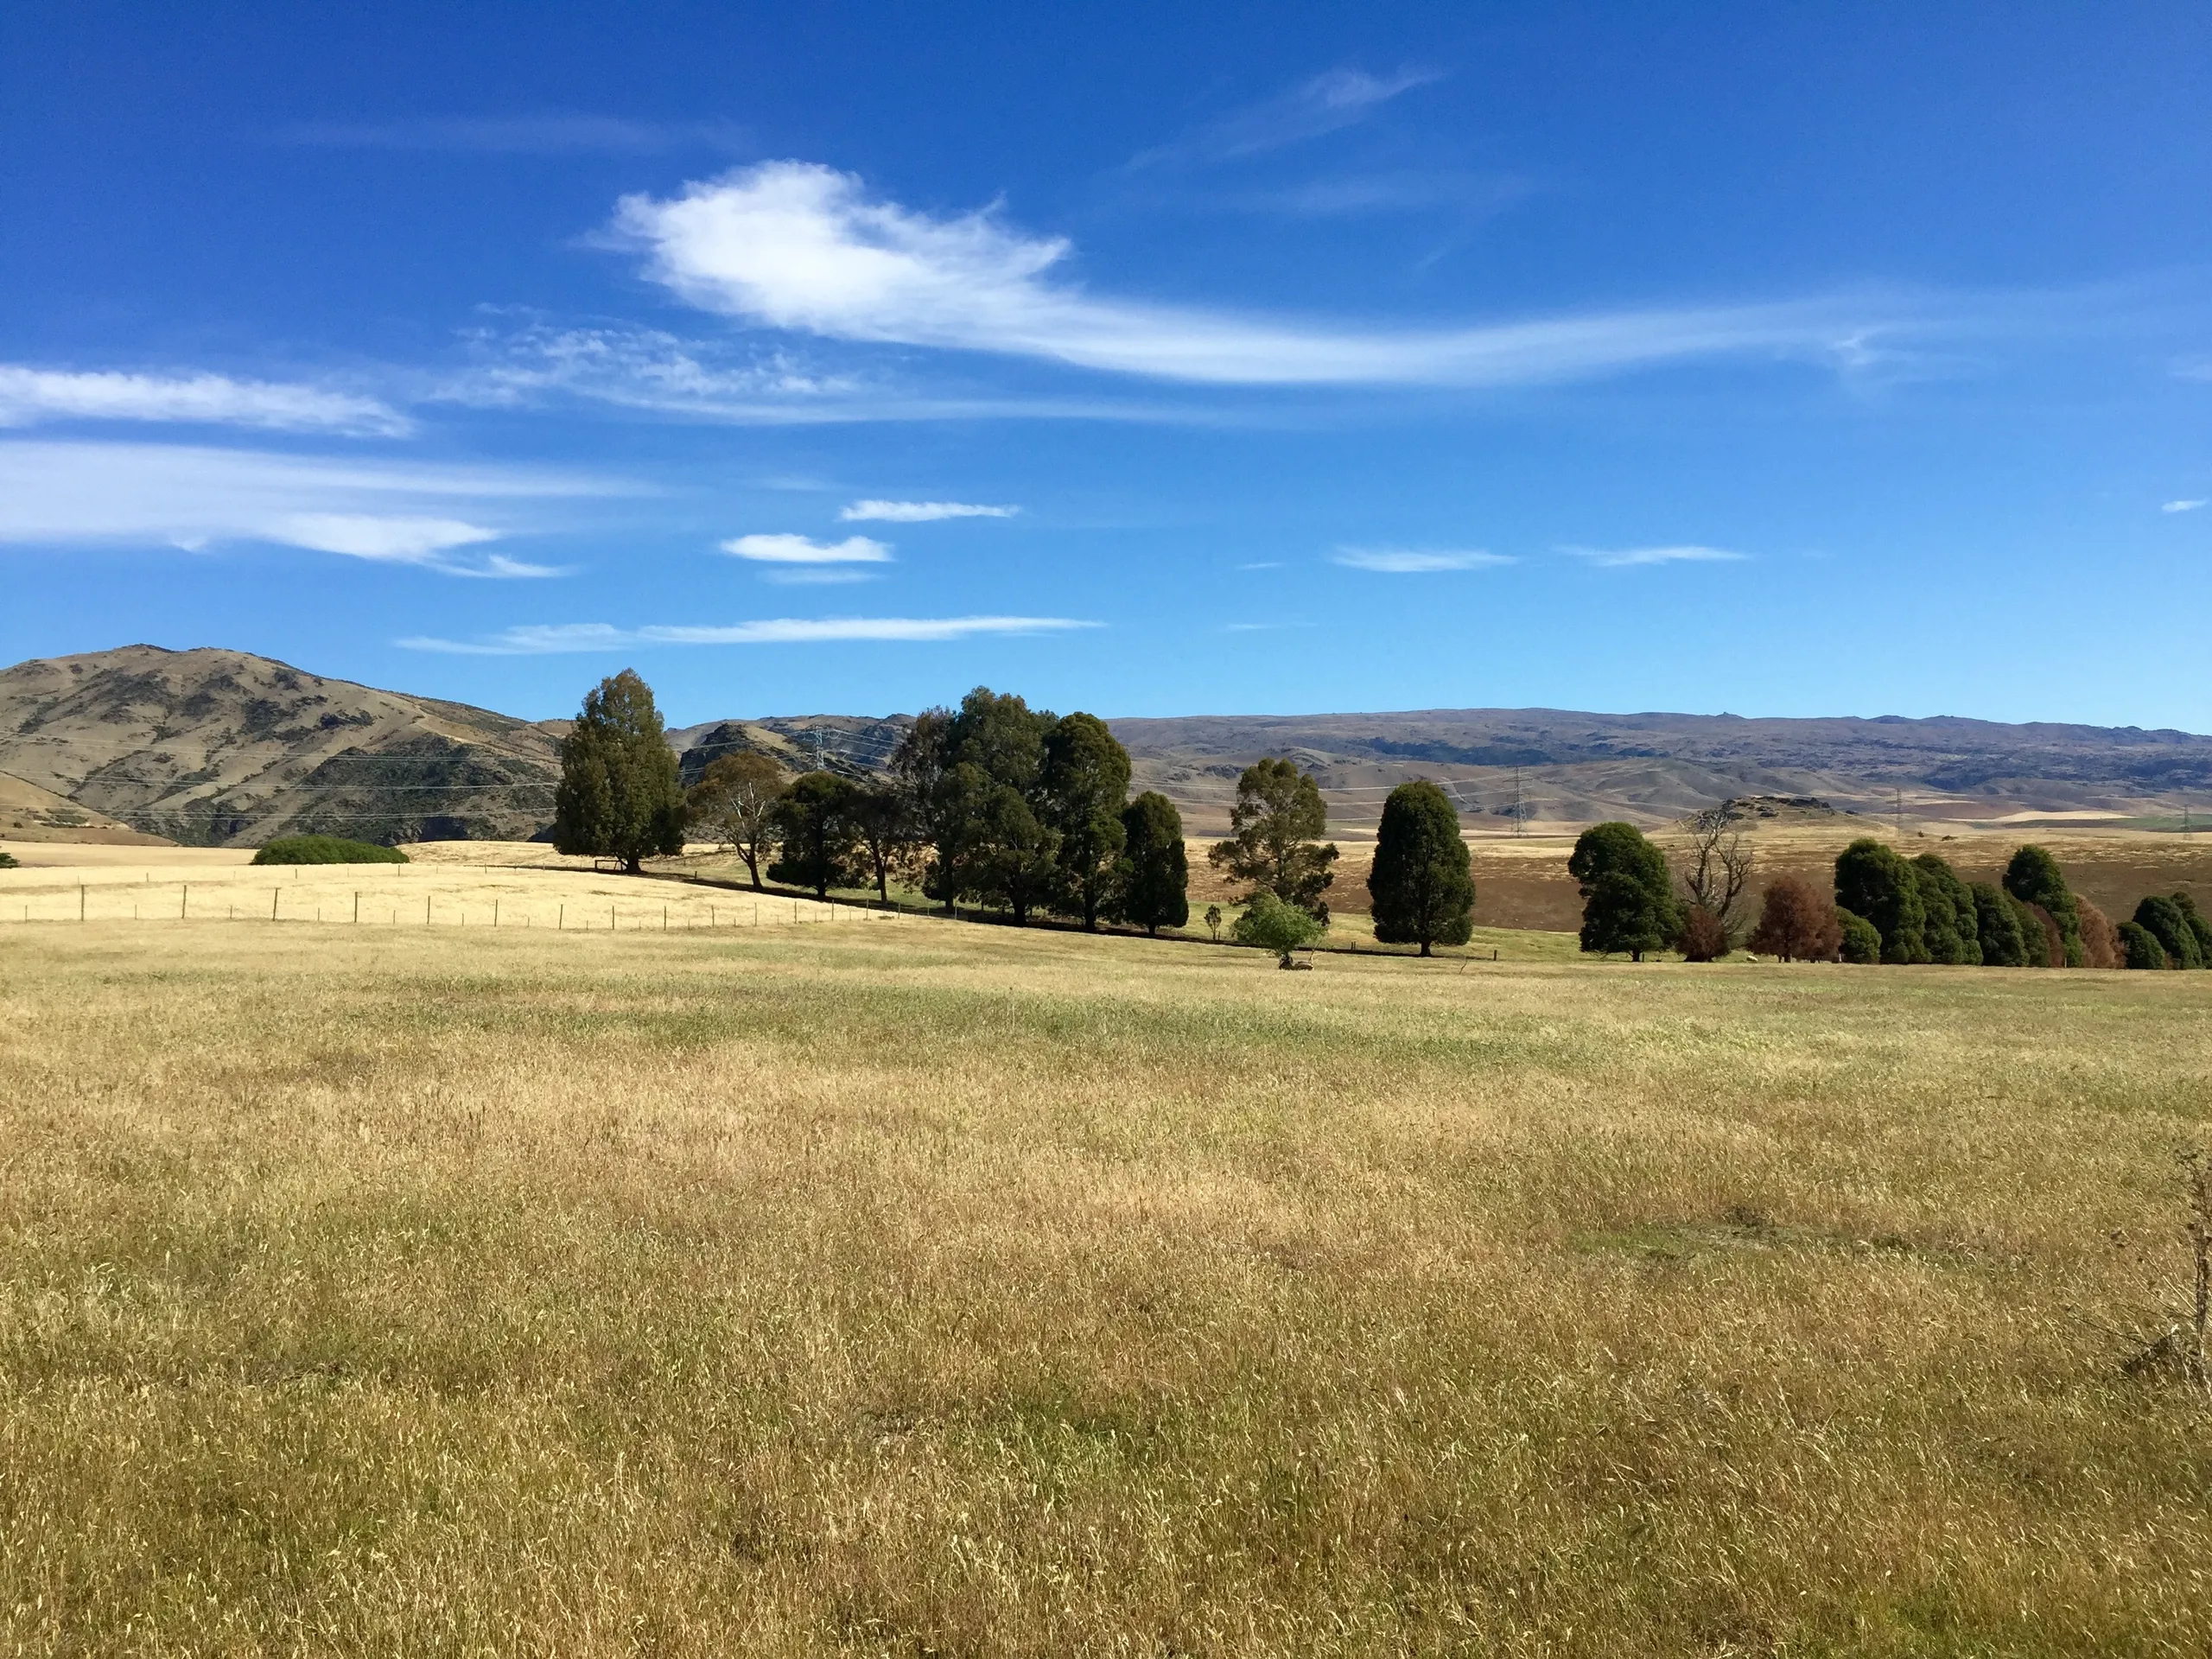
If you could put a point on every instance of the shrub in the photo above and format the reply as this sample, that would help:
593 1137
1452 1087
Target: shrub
1861 940
7 861
1703 938
1873 882
326 849
1276 925
2139 947
2165 921
1797 921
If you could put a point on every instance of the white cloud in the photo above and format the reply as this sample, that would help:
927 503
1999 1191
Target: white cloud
29 396
68 493
799 549
551 639
921 512
797 246
1616 558
1410 561
2182 506
1328 103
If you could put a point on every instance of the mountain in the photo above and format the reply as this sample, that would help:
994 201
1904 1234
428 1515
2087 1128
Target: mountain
220 748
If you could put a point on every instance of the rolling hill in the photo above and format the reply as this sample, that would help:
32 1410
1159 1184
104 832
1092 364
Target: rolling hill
219 747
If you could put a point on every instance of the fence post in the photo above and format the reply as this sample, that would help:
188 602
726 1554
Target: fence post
426 910
664 919
561 922
80 901
357 907
273 891
495 912
184 903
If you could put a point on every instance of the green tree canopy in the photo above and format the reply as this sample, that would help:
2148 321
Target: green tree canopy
734 803
1275 839
2166 922
1997 925
814 826
2033 877
1951 927
618 797
1422 891
1628 898
1872 881
1085 785
1861 940
326 849
1152 888
2139 947
2198 924
1274 925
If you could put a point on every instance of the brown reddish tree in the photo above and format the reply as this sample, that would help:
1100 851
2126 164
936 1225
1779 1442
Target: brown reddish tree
1797 922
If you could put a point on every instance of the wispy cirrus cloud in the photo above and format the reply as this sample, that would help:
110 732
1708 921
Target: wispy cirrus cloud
523 135
920 513
1624 557
568 636
64 493
797 246
1417 560
2188 505
1327 103
31 396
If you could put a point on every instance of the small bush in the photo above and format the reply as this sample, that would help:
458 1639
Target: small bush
7 861
1862 940
2139 947
1272 925
326 849
1702 938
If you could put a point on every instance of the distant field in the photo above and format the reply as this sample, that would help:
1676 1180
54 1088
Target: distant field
914 1288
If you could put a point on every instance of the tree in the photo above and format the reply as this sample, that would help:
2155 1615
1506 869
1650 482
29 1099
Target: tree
991 840
1716 868
884 829
1274 925
1997 919
2139 947
2033 877
1213 922
2186 903
2039 935
1012 856
2100 939
1151 885
1700 936
1423 894
2165 921
1797 922
734 803
918 769
618 796
1859 940
814 824
1627 901
1275 836
1872 881
1086 783
1950 926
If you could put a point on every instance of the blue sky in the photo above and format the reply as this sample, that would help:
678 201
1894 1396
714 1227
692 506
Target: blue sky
1151 359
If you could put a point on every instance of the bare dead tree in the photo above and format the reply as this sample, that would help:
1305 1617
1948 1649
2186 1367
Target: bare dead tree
1716 867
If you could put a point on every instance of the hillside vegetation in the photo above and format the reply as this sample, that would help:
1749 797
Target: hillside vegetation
944 1289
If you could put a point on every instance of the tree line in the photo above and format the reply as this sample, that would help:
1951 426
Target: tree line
1884 908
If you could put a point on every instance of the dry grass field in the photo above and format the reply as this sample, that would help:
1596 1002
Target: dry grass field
924 1289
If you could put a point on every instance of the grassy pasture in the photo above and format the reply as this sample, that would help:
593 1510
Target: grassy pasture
929 1290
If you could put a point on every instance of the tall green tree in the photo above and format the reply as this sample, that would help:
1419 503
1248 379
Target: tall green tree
1085 784
1012 857
1153 888
884 830
1420 883
618 797
1275 836
2198 924
1628 898
1872 881
814 824
2166 922
992 839
1997 924
2033 877
734 802
918 773
2139 947
1951 927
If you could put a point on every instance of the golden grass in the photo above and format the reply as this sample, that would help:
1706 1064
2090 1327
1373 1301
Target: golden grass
953 1290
